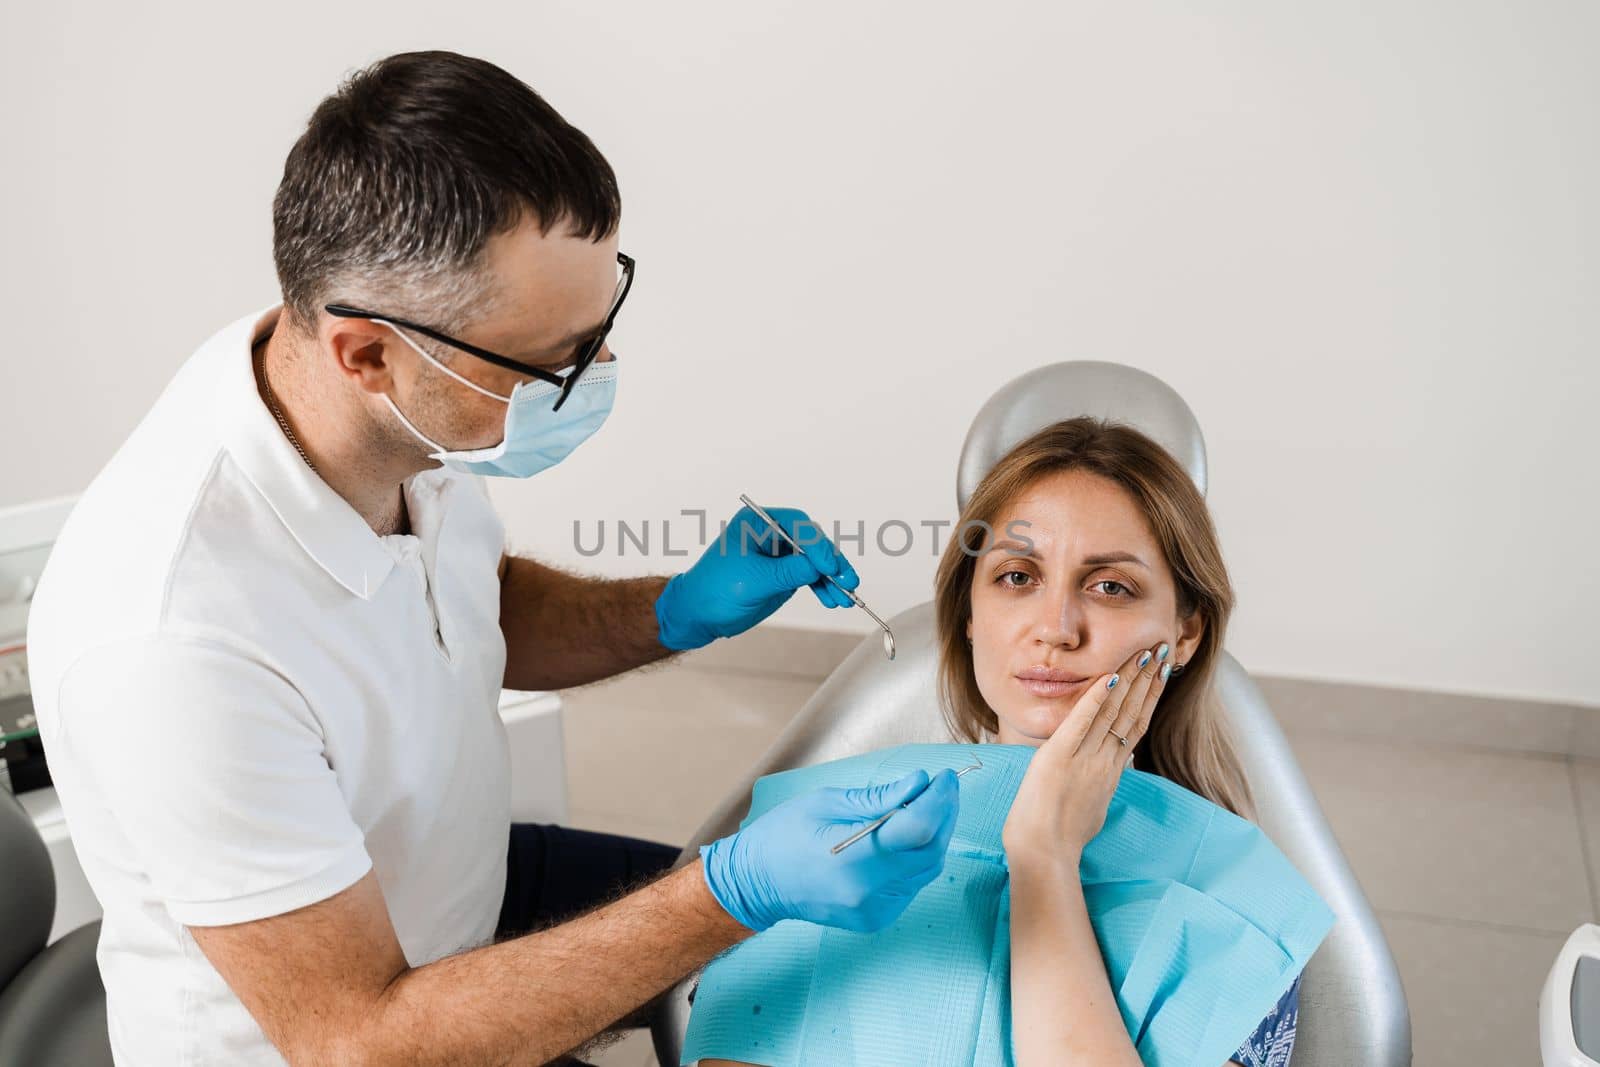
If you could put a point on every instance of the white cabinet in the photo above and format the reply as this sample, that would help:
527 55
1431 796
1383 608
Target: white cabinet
538 756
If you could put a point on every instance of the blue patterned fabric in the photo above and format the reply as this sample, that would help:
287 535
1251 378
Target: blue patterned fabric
1273 1040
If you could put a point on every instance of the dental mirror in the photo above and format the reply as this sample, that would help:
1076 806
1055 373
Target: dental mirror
888 634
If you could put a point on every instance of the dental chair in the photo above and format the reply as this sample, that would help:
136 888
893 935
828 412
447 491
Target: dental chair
52 1004
1352 1008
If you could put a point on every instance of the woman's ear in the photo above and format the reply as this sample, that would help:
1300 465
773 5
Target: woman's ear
969 631
1190 630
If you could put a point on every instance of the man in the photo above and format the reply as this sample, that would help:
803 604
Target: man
267 649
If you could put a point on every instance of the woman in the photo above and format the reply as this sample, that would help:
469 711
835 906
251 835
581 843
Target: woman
1087 552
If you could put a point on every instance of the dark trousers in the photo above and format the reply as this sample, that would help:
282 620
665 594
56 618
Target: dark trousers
554 873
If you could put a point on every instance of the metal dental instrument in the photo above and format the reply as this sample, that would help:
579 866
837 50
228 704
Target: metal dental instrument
880 820
888 634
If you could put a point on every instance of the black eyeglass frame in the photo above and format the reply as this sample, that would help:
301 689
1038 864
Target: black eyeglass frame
345 311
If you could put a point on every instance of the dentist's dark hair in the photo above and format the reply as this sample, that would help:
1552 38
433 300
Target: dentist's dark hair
1187 741
402 175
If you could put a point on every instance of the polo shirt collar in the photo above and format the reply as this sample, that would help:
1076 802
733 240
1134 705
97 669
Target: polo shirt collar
330 531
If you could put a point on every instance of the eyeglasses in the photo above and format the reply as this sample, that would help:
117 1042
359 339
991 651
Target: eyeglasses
586 354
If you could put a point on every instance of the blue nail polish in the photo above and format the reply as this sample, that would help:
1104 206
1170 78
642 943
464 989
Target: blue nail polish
1144 657
1113 683
1166 669
1161 653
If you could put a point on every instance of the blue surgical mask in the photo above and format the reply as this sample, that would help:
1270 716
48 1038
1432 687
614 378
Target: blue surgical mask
535 436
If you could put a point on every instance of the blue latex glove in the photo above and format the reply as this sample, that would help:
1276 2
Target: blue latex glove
779 866
746 574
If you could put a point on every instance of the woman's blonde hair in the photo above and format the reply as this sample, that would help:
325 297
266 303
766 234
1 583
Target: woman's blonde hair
1187 741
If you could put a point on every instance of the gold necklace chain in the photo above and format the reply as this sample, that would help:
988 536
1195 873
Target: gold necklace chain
277 412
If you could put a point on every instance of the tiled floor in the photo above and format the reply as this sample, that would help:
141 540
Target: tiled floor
1479 863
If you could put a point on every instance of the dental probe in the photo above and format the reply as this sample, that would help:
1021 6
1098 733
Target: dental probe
888 634
880 820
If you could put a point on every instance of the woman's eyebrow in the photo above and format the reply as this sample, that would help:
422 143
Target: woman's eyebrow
1114 557
1014 548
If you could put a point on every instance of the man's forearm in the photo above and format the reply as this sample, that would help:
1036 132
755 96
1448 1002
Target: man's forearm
563 630
1062 1008
533 998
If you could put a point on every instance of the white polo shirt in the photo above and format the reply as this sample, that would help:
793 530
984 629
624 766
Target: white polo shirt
249 699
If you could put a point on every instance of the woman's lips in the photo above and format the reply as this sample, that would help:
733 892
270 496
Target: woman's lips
1044 688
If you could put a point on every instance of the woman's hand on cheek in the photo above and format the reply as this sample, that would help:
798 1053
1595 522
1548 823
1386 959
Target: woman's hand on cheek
1061 803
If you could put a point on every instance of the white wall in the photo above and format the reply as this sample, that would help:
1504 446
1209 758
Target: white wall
1355 237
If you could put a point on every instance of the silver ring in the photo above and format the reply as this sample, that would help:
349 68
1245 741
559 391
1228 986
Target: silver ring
1120 739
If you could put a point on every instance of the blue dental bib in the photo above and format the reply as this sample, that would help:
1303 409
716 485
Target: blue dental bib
1202 924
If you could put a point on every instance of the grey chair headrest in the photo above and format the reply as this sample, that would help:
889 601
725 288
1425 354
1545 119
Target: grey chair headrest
1050 394
27 889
